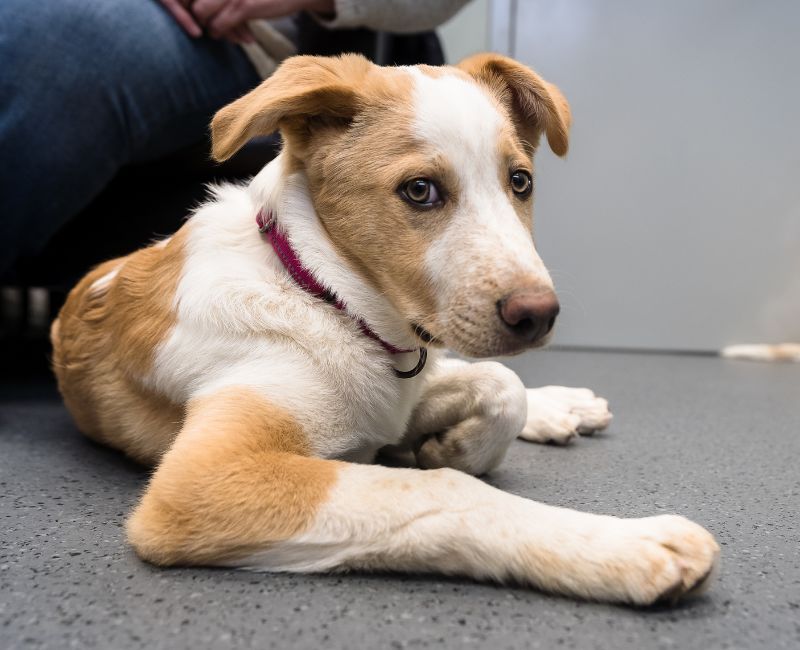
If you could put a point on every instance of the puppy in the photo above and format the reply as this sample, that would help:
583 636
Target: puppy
294 327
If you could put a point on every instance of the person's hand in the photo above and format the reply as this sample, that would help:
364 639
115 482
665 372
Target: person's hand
180 12
228 18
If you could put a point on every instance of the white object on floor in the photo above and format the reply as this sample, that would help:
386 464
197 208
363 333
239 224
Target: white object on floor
763 352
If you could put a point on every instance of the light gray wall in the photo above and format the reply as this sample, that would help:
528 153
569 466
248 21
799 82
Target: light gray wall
467 32
675 220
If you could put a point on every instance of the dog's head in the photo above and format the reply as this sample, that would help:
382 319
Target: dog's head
423 179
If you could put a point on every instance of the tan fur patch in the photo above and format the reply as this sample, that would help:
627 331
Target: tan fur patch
381 236
514 153
104 342
140 301
237 479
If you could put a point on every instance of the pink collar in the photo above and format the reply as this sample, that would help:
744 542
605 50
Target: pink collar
303 277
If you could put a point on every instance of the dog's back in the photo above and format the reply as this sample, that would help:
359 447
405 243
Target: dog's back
100 354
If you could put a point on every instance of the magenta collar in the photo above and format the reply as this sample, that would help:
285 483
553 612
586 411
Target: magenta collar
303 277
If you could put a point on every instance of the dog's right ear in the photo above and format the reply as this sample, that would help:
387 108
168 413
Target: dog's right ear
302 89
538 106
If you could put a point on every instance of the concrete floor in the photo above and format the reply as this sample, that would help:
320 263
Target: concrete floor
715 440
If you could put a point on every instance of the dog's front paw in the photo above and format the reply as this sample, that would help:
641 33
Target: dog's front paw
641 562
468 418
557 414
668 558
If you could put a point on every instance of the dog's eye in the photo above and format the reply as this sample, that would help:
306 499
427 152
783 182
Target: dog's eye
421 192
521 183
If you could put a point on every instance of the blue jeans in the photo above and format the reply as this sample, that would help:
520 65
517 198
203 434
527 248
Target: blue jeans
87 86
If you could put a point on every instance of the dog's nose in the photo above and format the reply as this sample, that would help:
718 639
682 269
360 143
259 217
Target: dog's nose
528 313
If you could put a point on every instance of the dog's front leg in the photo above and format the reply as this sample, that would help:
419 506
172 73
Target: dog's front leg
470 412
239 488
467 417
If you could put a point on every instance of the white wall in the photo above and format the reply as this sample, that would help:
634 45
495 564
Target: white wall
675 220
467 32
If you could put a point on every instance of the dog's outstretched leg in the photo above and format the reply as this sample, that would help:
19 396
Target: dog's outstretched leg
238 488
557 414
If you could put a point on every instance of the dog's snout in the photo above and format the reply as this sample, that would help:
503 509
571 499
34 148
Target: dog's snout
529 314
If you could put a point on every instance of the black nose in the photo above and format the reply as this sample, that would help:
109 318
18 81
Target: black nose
529 313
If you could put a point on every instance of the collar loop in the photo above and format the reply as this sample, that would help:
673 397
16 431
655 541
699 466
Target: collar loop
408 374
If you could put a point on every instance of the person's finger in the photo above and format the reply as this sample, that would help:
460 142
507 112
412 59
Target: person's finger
247 35
204 11
183 17
240 34
320 6
236 13
230 17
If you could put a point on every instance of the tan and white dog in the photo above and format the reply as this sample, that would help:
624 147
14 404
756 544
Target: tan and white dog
406 194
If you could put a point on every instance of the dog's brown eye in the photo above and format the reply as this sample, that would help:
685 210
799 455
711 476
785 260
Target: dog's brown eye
421 192
521 183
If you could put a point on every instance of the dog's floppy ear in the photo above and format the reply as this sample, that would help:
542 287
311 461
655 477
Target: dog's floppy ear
536 105
302 89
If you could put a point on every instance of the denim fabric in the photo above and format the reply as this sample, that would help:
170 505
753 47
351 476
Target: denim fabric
87 86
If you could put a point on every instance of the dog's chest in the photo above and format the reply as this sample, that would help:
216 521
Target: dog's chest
343 392
369 406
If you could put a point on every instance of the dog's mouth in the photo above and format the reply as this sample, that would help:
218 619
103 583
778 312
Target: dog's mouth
494 346
470 342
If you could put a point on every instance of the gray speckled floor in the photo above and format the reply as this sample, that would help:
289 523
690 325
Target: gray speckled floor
715 440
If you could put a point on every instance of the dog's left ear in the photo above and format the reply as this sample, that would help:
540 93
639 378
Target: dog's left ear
303 93
536 105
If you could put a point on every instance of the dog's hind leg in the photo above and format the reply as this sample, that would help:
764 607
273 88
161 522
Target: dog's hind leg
238 489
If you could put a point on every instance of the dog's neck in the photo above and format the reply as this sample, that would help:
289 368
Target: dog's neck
287 196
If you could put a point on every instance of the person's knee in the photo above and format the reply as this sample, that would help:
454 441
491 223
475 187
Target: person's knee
100 39
56 32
